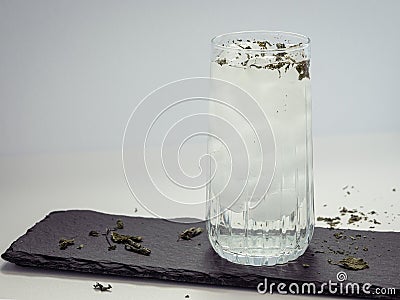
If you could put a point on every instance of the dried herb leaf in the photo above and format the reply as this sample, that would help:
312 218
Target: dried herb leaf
120 224
188 234
141 250
64 243
222 61
94 233
353 263
303 68
133 243
332 222
280 46
353 219
102 288
254 65
338 235
263 44
123 239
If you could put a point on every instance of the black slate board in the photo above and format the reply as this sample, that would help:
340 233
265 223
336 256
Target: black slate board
195 261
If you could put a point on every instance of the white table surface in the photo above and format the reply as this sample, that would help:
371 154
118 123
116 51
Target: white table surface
33 185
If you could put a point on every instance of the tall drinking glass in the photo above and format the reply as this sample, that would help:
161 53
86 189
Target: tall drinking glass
275 226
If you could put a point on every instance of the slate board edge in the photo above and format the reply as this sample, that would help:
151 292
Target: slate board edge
93 268
40 261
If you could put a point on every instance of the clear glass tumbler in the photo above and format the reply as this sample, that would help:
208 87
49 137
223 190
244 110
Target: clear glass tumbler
276 226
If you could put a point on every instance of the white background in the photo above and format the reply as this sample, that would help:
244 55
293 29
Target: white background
72 71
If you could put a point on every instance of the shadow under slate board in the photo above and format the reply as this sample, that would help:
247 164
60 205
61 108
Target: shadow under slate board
195 261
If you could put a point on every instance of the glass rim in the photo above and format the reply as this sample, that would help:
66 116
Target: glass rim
300 46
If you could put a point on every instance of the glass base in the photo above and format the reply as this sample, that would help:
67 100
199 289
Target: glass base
266 257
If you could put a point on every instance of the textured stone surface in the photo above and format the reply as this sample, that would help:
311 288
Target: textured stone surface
195 261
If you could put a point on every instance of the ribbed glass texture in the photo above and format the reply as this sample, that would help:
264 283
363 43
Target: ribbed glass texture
274 68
